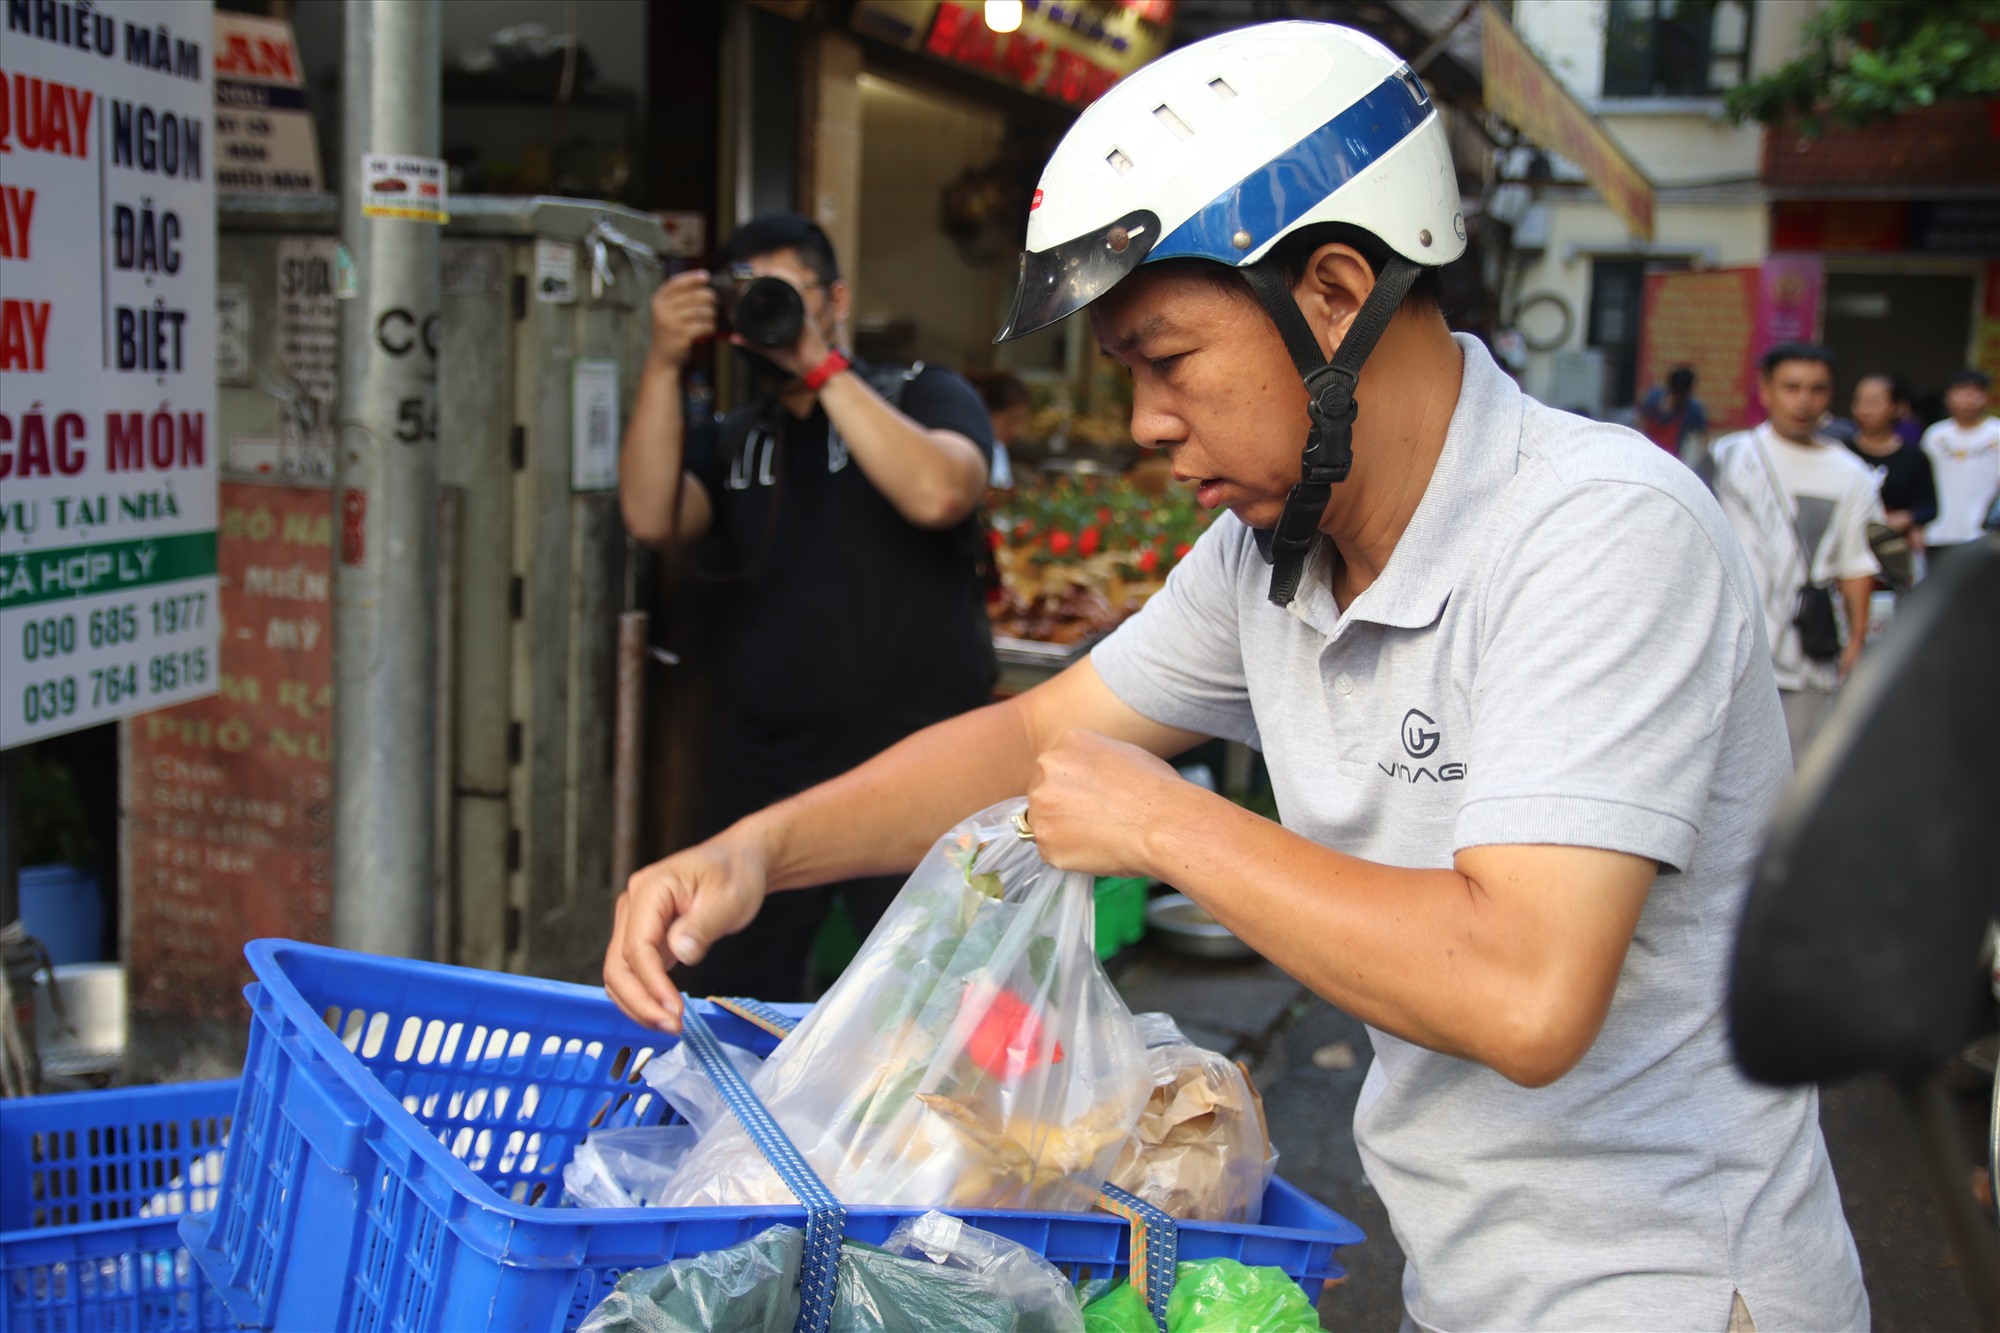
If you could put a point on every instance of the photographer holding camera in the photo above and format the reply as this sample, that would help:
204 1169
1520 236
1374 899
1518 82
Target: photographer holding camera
845 497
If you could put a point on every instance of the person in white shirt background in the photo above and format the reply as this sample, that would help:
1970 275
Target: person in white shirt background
1964 450
1800 505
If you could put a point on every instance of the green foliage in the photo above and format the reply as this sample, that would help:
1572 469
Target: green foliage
1868 60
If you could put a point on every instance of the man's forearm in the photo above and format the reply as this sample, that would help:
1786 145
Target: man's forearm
1855 593
882 817
652 455
933 479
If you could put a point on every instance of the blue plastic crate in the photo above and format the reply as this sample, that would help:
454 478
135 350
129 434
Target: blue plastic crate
402 1129
91 1188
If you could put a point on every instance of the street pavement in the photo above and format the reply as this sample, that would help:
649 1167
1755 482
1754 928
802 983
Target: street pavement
1308 1060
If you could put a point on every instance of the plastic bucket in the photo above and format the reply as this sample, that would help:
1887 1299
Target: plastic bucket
59 907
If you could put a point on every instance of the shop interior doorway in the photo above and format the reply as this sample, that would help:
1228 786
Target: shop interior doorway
1913 325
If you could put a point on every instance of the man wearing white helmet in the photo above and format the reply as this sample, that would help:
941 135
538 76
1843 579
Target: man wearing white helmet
1507 670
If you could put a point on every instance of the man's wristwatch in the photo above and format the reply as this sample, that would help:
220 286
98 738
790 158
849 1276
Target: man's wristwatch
817 377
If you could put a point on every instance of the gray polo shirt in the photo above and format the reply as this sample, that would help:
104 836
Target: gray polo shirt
1565 648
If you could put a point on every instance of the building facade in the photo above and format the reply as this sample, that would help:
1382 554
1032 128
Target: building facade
1874 241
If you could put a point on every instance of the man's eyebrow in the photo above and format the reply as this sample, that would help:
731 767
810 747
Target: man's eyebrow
1149 327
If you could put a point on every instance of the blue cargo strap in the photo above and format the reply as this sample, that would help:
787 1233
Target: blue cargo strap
774 1021
1155 1236
1156 1247
825 1218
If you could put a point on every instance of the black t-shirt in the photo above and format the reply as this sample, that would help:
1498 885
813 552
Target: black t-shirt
850 627
1908 483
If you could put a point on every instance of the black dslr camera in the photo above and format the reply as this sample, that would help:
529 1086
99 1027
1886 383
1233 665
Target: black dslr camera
768 312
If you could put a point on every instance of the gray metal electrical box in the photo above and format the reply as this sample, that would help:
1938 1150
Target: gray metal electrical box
540 341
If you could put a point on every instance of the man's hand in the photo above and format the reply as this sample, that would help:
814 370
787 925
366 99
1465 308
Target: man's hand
672 911
1850 654
1093 801
683 314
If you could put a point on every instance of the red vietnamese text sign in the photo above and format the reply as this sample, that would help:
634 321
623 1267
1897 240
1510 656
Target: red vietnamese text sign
229 799
1706 320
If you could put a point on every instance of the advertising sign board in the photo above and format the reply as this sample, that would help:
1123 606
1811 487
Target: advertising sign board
229 799
1521 91
107 362
1704 319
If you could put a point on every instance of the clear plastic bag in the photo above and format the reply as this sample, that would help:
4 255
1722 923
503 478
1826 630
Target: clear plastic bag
935 1271
1200 1151
973 1055
683 1085
625 1168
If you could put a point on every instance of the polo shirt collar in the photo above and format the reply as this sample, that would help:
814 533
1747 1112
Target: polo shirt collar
1481 454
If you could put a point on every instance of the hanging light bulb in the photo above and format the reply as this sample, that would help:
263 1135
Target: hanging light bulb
1003 15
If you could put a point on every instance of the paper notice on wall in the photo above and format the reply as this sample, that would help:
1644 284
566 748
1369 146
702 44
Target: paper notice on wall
108 342
232 333
308 327
594 424
555 272
396 186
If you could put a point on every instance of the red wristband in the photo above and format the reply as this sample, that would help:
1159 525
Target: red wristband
817 377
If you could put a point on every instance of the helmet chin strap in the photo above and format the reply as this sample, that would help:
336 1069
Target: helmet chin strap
1329 451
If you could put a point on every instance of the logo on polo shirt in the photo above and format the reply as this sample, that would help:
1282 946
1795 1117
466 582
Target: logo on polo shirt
1421 737
1420 742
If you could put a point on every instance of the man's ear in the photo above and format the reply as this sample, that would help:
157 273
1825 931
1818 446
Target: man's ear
1335 285
838 297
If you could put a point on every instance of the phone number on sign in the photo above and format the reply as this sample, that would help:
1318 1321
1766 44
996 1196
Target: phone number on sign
108 686
56 636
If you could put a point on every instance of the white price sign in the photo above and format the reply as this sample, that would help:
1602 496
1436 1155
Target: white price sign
107 362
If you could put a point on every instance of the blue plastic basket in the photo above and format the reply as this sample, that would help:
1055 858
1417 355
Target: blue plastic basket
402 1129
91 1186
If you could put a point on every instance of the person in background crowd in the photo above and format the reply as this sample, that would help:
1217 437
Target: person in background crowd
1909 428
1009 404
848 521
1800 505
1909 492
1670 414
1964 450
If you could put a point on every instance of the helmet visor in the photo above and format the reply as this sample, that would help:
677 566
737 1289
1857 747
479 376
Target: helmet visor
1065 278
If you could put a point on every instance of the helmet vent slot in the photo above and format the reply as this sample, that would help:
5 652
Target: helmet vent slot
1221 88
1118 161
1165 115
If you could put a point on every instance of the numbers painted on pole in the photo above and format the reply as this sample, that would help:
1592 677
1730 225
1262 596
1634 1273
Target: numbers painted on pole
416 420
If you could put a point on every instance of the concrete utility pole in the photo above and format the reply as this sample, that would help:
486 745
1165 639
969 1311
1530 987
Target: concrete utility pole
385 489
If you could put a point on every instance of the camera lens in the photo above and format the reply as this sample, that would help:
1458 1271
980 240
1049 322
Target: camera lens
768 312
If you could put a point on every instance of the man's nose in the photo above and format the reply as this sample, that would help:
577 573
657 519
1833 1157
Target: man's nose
1152 426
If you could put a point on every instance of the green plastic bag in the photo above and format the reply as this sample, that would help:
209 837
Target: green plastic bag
1224 1296
1119 1310
1210 1296
748 1288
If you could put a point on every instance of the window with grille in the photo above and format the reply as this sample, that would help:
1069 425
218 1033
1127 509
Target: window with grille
1675 48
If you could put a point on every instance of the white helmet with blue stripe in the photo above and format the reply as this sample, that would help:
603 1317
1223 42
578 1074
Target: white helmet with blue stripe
1222 149
1219 150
